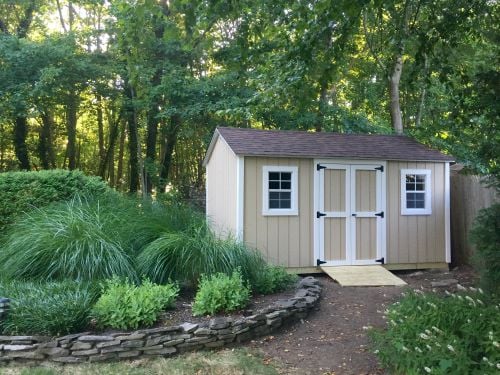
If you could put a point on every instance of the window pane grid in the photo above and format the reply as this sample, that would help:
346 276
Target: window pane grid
415 191
280 190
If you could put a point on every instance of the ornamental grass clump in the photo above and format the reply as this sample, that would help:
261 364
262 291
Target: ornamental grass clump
73 240
186 255
46 308
455 334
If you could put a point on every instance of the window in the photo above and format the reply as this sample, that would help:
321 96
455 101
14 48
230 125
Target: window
416 192
279 190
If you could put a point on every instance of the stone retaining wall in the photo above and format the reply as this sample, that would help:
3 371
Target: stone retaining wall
163 341
4 307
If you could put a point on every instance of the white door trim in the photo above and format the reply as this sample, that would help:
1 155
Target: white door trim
319 224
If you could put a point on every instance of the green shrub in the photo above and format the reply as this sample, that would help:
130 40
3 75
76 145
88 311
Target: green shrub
52 308
221 292
426 333
124 305
22 191
75 240
272 279
184 256
486 236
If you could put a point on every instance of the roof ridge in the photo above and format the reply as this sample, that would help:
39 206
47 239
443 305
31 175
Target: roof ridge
231 128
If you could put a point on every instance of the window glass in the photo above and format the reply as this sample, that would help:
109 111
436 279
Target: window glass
280 185
415 192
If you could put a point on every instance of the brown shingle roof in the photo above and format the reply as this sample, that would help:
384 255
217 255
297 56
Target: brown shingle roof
284 143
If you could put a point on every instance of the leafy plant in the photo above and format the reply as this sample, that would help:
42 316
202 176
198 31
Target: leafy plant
272 279
186 255
74 240
221 292
124 305
486 236
52 308
427 333
23 191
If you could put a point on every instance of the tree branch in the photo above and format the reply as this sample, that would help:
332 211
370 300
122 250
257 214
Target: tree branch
61 18
370 46
25 23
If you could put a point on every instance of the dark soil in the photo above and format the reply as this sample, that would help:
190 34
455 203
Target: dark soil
182 311
334 340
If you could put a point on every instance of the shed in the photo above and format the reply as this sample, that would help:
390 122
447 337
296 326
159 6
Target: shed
308 198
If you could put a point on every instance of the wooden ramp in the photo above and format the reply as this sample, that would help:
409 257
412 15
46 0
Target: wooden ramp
362 276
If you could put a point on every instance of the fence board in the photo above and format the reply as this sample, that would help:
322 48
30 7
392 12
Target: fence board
468 196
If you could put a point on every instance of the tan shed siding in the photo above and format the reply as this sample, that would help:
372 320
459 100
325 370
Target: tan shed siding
221 189
415 238
284 240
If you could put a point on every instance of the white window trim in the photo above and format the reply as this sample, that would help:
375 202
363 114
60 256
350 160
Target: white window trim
428 199
294 210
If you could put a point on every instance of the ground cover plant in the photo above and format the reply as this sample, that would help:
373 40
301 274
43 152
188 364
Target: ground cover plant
428 333
52 308
221 292
23 191
123 305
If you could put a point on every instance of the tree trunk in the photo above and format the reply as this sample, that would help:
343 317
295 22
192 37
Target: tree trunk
100 134
121 149
71 120
170 141
132 139
108 155
151 138
395 105
45 147
20 147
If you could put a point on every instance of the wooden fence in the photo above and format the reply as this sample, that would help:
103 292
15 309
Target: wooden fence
468 196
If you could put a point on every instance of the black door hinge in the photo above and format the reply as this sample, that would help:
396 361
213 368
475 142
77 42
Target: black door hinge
381 168
320 167
319 262
319 214
381 214
381 260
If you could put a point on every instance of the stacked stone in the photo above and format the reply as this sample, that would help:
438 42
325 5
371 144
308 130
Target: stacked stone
4 307
164 341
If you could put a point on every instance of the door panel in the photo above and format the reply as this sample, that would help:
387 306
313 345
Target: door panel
335 190
366 238
366 189
335 239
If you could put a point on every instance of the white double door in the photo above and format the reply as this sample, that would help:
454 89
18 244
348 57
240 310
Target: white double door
350 217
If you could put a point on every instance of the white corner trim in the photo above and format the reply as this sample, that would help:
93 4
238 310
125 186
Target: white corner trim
294 210
447 229
317 248
428 192
240 197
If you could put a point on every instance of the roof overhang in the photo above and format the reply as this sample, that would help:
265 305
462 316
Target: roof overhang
211 147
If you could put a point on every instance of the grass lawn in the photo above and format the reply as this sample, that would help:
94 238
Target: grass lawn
224 362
